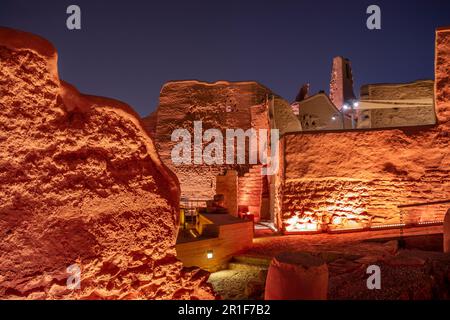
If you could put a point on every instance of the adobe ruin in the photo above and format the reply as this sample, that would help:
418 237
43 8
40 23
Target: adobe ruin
104 173
319 113
221 105
81 185
397 105
331 178
341 85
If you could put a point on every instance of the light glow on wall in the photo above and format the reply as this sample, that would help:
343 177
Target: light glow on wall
298 224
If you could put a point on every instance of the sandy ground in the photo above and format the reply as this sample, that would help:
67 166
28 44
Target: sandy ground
419 270
231 284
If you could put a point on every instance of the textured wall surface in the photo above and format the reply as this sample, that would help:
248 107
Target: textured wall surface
355 177
398 91
319 113
397 104
80 183
350 179
221 105
227 185
341 85
250 188
442 76
400 117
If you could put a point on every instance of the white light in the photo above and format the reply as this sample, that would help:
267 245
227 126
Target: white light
430 222
345 106
209 254
356 104
333 118
347 229
397 225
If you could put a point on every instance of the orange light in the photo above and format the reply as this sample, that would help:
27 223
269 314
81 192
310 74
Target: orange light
297 224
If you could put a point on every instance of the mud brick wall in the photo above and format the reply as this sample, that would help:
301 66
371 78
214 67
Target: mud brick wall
221 105
355 178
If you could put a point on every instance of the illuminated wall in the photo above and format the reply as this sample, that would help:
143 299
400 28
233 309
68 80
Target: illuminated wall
358 178
81 185
221 105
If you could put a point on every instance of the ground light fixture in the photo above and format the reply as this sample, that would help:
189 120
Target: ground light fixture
209 254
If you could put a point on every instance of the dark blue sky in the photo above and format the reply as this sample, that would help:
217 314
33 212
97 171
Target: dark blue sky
128 49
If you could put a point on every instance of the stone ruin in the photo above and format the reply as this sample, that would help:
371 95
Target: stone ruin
384 105
341 85
397 105
84 184
221 105
359 178
82 188
351 179
323 112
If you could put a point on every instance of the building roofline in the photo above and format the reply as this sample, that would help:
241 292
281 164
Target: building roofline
317 95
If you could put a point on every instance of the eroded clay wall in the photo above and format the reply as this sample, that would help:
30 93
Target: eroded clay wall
341 85
221 105
81 185
351 179
398 91
227 185
402 104
399 117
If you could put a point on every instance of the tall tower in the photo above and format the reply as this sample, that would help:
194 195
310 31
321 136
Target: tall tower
341 85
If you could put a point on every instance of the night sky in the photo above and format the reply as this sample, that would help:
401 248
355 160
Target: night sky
128 49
